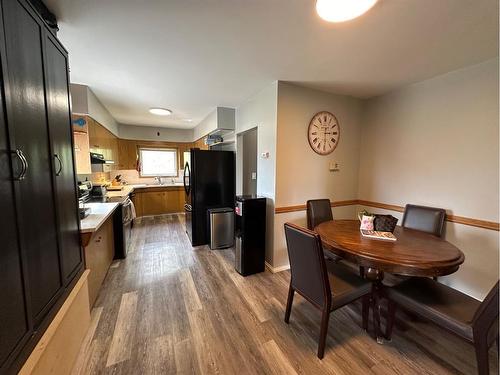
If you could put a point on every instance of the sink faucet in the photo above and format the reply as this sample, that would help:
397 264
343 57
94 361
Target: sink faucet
158 179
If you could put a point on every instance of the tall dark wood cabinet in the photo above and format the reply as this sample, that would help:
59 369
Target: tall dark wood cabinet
61 135
41 256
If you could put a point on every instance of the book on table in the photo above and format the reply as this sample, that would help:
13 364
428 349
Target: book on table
378 235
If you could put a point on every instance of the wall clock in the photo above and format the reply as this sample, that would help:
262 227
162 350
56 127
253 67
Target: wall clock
323 133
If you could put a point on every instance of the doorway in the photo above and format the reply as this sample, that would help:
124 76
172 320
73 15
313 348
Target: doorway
247 146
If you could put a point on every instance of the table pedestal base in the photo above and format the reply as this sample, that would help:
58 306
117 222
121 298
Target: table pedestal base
376 276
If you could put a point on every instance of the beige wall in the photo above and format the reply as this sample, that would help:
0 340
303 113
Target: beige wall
301 174
260 111
436 143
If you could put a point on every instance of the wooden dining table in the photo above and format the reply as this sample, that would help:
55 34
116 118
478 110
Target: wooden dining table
414 253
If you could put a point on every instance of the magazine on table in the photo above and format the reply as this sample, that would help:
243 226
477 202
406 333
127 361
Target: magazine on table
377 235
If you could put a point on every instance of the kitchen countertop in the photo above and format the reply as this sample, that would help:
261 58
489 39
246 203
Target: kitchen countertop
145 186
119 196
126 190
99 213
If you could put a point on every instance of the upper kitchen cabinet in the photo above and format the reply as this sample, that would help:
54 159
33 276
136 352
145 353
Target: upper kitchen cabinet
102 141
41 257
127 150
82 147
91 136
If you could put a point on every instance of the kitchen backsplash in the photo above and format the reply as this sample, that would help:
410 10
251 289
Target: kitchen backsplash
95 177
131 176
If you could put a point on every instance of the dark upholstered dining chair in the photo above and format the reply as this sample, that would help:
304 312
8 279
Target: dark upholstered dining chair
325 284
318 211
472 320
424 219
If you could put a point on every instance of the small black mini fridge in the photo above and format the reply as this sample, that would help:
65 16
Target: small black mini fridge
250 228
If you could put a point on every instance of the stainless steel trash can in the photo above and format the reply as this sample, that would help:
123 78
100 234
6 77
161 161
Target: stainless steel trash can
221 227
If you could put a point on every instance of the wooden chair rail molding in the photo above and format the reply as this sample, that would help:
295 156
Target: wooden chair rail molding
451 218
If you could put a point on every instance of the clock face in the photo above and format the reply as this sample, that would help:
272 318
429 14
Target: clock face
323 133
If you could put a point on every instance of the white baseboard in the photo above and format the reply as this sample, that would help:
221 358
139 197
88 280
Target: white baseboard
277 269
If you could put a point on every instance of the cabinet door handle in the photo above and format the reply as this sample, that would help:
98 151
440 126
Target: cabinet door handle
24 165
58 173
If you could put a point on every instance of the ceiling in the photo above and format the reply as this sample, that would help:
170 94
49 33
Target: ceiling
193 55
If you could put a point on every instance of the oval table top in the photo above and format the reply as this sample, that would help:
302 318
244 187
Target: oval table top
414 253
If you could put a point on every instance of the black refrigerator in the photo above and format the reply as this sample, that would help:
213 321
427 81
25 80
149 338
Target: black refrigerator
209 182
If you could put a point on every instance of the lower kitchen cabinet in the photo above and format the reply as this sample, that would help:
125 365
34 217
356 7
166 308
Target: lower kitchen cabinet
99 254
158 200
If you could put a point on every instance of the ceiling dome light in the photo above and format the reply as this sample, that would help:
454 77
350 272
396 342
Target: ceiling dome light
342 10
160 111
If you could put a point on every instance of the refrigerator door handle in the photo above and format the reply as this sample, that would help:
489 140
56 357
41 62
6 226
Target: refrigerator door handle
187 185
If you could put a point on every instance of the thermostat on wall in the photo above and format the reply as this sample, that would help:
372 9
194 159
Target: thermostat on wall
334 166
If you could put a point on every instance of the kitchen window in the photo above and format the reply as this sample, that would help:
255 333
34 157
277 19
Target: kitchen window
158 162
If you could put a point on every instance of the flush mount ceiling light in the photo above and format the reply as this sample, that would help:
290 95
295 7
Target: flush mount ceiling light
342 10
160 111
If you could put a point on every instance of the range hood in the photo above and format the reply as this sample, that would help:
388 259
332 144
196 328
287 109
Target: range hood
217 126
96 158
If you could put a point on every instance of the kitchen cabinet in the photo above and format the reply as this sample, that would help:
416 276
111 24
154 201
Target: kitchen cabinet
158 200
15 327
102 141
41 256
81 142
64 176
80 123
27 118
127 154
82 153
154 202
99 253
200 143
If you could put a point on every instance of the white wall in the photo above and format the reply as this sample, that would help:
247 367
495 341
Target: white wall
219 118
84 101
260 111
79 103
436 143
150 133
207 125
99 113
302 174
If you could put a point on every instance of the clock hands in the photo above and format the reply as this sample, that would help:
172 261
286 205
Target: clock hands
323 136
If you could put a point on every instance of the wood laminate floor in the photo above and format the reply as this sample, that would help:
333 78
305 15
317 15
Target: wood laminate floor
170 308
